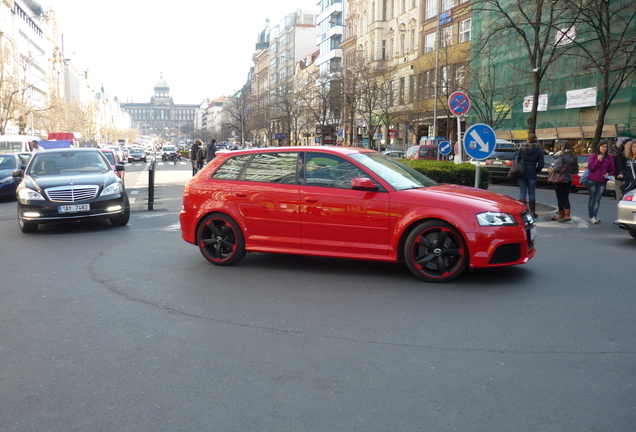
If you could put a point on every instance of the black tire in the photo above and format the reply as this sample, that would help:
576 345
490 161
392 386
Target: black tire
26 227
574 189
123 218
220 240
632 233
436 252
130 161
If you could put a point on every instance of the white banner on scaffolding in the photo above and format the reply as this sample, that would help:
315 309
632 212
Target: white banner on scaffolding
581 98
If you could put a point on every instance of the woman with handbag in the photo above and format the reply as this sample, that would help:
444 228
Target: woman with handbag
601 166
627 172
568 163
533 160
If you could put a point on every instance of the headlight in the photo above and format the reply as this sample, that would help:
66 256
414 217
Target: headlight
6 180
495 219
30 195
113 189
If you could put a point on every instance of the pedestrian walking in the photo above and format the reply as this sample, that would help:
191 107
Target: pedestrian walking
601 167
533 162
194 152
34 146
619 163
210 151
562 189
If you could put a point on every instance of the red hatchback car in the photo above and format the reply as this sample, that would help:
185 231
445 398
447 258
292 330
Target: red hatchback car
349 203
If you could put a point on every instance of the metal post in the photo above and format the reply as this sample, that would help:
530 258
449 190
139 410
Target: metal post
151 185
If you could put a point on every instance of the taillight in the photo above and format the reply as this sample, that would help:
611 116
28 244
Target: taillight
508 163
628 198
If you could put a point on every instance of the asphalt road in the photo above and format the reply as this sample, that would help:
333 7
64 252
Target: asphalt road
130 329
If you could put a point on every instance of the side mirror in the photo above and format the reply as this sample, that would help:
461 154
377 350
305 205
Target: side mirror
364 184
17 173
120 167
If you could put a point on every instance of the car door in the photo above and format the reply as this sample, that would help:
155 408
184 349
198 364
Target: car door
267 197
336 218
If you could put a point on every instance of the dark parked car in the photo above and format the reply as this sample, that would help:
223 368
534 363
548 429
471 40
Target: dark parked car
347 202
542 177
498 163
70 185
8 163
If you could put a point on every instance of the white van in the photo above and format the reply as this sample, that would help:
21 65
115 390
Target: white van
16 143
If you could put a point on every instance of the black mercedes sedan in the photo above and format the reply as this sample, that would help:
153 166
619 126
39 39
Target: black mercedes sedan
70 185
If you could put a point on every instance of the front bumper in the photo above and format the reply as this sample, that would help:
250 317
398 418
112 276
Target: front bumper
47 211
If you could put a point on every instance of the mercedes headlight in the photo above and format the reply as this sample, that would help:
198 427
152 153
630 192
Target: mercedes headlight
30 195
495 219
114 189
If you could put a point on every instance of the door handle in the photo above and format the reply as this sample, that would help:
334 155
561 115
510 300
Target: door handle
311 200
241 194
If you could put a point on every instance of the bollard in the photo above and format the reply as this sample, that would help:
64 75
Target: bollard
151 185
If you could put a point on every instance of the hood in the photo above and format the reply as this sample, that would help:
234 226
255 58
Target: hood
456 196
6 172
97 179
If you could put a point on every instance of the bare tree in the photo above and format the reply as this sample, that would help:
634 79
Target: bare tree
235 112
321 100
605 38
531 23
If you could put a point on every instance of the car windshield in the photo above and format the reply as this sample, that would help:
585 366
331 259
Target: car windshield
169 149
52 162
398 175
137 151
502 154
7 162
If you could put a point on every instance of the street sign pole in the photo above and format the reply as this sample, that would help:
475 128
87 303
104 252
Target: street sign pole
459 104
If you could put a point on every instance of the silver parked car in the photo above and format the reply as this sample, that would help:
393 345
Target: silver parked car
627 213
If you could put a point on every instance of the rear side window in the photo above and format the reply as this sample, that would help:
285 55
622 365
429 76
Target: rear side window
272 168
231 168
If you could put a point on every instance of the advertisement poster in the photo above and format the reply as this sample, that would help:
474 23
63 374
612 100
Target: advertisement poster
543 103
581 98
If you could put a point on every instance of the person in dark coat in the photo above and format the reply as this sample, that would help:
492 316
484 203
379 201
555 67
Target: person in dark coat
533 157
201 155
194 152
562 189
210 151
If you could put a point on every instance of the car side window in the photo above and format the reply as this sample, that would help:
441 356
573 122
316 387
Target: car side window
272 168
328 170
231 168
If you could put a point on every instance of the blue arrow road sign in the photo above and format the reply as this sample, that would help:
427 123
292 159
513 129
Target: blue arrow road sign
479 141
445 147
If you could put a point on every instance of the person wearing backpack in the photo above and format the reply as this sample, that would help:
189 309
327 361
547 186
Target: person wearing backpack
562 189
533 161
194 153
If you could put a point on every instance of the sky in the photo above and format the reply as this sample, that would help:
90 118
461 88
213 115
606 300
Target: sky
203 48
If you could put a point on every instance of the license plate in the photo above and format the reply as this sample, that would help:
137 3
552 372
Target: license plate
533 233
74 208
497 162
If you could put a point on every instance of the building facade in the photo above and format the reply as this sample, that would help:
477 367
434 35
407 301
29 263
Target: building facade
161 116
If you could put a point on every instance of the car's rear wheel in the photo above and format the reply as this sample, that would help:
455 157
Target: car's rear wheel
26 226
220 240
436 252
123 218
632 233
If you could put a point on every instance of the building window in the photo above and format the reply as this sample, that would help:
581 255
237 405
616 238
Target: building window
464 31
431 8
412 42
447 37
447 4
402 90
411 90
384 8
445 84
383 56
429 42
460 77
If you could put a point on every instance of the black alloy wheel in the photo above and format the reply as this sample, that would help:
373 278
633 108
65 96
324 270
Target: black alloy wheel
220 240
436 252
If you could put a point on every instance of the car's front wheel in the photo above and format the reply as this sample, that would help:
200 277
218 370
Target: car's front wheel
632 233
123 218
436 252
26 226
220 240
